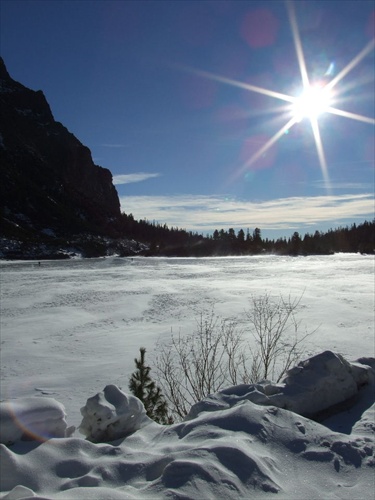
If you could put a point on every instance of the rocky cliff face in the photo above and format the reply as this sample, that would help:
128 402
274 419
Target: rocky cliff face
49 183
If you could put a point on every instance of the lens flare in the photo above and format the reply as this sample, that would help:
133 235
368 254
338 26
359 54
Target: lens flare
28 429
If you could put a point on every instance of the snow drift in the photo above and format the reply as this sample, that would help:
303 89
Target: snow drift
313 388
31 418
229 447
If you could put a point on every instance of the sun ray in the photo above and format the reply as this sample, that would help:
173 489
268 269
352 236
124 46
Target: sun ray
320 151
298 44
353 63
242 85
352 116
269 143
307 87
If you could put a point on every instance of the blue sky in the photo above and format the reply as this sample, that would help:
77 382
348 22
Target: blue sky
169 96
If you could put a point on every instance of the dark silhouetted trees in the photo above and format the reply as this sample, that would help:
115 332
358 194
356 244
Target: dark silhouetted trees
162 240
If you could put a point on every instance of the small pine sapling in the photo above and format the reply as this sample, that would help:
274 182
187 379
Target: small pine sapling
145 389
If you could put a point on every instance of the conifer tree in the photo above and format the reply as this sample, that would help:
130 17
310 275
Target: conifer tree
145 389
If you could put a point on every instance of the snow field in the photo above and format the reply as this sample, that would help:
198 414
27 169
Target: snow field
69 329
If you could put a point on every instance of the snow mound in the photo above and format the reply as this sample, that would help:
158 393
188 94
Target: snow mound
241 450
315 387
32 419
112 414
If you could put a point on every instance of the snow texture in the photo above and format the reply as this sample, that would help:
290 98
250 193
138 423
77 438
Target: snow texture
232 448
68 329
237 452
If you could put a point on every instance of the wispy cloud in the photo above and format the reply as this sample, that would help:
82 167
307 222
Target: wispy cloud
205 213
130 178
343 185
114 145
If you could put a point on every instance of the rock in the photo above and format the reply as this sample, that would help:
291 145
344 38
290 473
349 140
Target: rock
48 179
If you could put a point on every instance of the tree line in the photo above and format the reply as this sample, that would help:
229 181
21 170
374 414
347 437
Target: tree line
165 241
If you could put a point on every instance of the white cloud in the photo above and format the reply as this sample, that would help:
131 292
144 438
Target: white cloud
130 178
343 185
205 213
114 145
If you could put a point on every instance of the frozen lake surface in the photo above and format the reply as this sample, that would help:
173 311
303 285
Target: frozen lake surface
68 328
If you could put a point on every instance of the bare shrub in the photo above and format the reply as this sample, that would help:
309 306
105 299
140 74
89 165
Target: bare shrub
275 328
192 366
218 354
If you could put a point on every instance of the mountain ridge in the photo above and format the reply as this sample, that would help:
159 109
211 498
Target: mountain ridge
50 184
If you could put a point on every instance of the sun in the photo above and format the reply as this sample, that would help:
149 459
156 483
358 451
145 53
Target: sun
314 101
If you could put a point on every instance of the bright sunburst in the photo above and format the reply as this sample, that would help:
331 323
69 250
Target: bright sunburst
314 100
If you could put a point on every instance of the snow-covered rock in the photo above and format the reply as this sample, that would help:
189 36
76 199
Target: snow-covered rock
112 414
313 386
320 382
32 419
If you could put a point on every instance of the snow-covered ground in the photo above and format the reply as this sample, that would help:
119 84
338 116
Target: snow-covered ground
70 328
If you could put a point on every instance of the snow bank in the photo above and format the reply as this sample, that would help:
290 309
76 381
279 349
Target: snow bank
248 451
112 414
314 387
32 419
240 450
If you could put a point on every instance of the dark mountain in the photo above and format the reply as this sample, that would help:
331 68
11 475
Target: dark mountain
49 183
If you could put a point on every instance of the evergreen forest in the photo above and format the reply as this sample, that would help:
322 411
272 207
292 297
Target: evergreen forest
165 241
